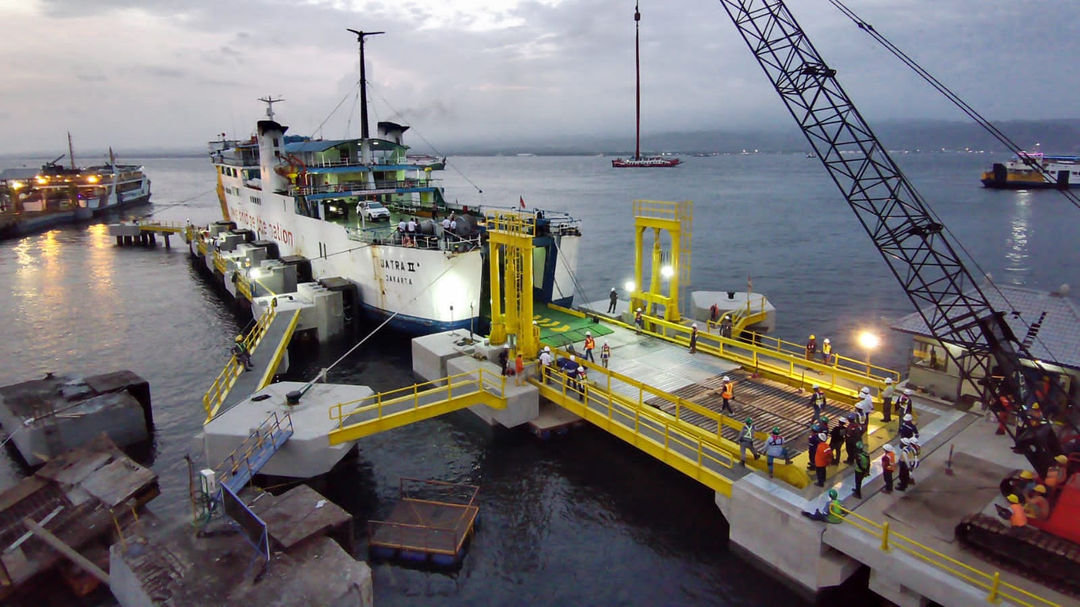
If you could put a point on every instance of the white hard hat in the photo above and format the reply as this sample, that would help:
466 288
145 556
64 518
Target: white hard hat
572 359
639 309
914 440
907 417
907 391
547 348
822 436
588 333
888 448
581 369
612 288
864 390
826 340
888 380
726 378
506 346
817 386
904 441
693 325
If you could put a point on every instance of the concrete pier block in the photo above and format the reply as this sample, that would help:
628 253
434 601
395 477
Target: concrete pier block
522 402
430 353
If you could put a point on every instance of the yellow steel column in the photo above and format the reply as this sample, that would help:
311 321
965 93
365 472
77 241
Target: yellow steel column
498 315
671 311
657 263
510 236
635 294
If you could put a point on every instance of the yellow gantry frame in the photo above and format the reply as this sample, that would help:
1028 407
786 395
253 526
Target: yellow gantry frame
510 236
675 219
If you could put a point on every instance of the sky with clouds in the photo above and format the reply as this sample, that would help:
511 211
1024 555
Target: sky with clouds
170 74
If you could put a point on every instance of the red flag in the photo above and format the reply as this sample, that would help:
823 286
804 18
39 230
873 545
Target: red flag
521 199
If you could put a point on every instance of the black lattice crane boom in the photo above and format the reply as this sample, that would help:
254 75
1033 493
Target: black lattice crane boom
912 241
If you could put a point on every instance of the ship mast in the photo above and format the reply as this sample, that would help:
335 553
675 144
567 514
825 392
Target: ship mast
637 78
363 81
71 151
269 101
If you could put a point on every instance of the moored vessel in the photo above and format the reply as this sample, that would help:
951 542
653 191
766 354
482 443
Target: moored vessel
422 269
1034 170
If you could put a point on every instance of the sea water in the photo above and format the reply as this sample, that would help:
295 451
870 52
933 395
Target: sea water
583 519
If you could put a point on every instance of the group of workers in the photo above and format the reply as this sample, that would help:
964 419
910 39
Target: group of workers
1033 498
826 350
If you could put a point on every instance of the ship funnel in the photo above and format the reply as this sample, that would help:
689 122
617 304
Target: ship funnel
271 138
391 131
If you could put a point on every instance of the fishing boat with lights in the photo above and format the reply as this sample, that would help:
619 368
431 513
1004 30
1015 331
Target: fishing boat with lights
419 266
35 199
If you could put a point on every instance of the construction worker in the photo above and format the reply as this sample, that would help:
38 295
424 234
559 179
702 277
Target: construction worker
590 344
546 359
774 448
822 458
519 370
726 326
833 513
693 338
579 382
727 392
905 465
908 428
639 321
826 351
1056 474
888 465
887 400
904 405
862 468
504 359
811 347
614 299
605 354
1018 518
864 407
836 440
854 435
1036 507
241 353
746 441
817 401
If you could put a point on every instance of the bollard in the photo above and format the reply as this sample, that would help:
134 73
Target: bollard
885 537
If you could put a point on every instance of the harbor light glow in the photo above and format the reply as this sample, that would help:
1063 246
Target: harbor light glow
667 271
92 179
17 185
869 340
42 180
629 286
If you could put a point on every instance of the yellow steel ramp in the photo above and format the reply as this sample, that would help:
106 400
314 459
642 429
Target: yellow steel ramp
268 342
388 410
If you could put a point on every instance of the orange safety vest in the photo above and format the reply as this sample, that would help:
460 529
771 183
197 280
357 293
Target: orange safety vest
590 343
888 462
727 390
1018 518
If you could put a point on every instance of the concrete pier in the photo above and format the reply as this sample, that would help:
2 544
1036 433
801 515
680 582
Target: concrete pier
49 416
169 564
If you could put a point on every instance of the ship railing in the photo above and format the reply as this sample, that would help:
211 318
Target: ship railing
345 162
990 583
392 237
360 186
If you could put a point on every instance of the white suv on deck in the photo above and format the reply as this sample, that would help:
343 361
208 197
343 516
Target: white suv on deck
372 211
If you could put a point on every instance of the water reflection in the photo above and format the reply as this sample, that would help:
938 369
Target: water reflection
1017 254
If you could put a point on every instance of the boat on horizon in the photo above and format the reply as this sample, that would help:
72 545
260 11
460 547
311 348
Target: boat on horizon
35 199
309 197
638 160
1034 170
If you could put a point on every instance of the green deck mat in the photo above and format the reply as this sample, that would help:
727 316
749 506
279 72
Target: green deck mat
559 328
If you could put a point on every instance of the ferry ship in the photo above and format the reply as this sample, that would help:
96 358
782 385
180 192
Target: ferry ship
312 198
1033 170
34 199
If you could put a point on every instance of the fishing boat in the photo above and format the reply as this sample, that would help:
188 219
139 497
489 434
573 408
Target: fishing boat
1034 170
311 197
35 199
638 160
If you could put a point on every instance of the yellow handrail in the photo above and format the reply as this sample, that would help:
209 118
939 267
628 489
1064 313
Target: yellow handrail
217 392
991 583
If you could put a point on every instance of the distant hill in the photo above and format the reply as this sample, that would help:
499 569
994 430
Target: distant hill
1055 137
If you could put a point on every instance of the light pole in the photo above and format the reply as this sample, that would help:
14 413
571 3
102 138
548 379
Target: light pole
868 341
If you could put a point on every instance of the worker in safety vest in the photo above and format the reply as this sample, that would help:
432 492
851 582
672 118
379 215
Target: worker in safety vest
241 353
605 354
887 400
693 338
811 347
826 351
1018 518
590 344
1036 507
817 401
888 465
746 441
727 392
822 458
1056 474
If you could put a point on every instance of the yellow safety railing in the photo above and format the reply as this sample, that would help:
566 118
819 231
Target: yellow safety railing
219 390
170 227
604 387
394 408
770 358
991 583
687 448
279 352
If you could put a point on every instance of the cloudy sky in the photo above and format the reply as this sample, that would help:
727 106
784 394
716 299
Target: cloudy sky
172 73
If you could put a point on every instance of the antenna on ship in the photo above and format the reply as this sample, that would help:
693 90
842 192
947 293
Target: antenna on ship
363 81
269 101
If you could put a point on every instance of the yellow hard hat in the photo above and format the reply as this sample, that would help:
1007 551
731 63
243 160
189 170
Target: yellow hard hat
1013 499
811 337
1061 459
1026 474
239 338
1040 489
